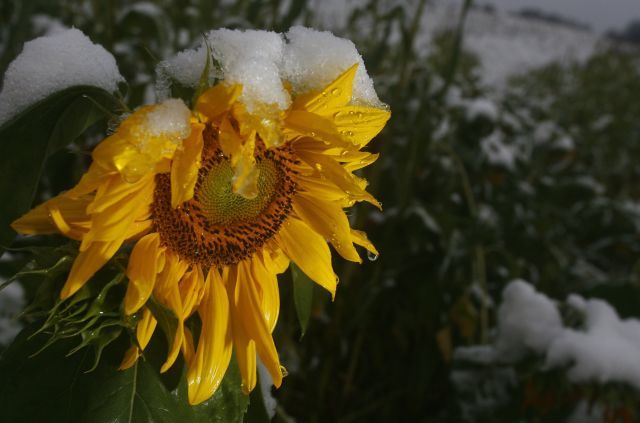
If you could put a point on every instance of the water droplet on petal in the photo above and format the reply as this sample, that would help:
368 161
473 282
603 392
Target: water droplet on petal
336 91
372 256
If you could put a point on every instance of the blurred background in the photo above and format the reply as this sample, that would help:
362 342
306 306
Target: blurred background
512 153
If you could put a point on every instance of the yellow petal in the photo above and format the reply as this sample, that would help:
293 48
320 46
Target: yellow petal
167 292
328 219
230 141
214 346
301 123
359 124
87 264
146 261
309 251
60 214
333 171
217 100
243 346
185 166
361 239
321 188
115 211
191 290
144 330
354 160
269 294
188 350
245 172
249 311
276 261
336 94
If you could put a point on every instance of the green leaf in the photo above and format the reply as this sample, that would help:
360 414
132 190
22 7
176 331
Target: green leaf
302 296
29 138
227 405
54 388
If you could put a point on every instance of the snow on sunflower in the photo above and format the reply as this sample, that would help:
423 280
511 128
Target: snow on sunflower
216 202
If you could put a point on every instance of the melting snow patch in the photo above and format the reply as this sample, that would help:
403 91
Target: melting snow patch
52 63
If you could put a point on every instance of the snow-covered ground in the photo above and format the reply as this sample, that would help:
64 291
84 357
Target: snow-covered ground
507 45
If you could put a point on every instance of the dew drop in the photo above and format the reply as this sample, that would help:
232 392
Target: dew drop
319 167
372 256
284 371
336 91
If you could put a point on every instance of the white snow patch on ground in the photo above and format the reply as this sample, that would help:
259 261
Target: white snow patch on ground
507 45
52 63
527 320
605 349
263 61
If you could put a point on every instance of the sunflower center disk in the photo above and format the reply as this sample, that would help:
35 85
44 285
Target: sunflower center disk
218 227
222 206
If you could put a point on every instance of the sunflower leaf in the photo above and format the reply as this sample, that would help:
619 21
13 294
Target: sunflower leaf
227 405
302 296
52 387
30 137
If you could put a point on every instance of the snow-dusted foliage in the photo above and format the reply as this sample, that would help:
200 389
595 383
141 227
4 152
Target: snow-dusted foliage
52 63
605 348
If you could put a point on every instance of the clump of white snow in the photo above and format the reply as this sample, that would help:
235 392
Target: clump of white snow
605 349
498 152
52 63
481 107
263 62
252 58
171 117
314 58
527 320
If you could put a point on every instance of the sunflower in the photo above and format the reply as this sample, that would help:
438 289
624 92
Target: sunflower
216 202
